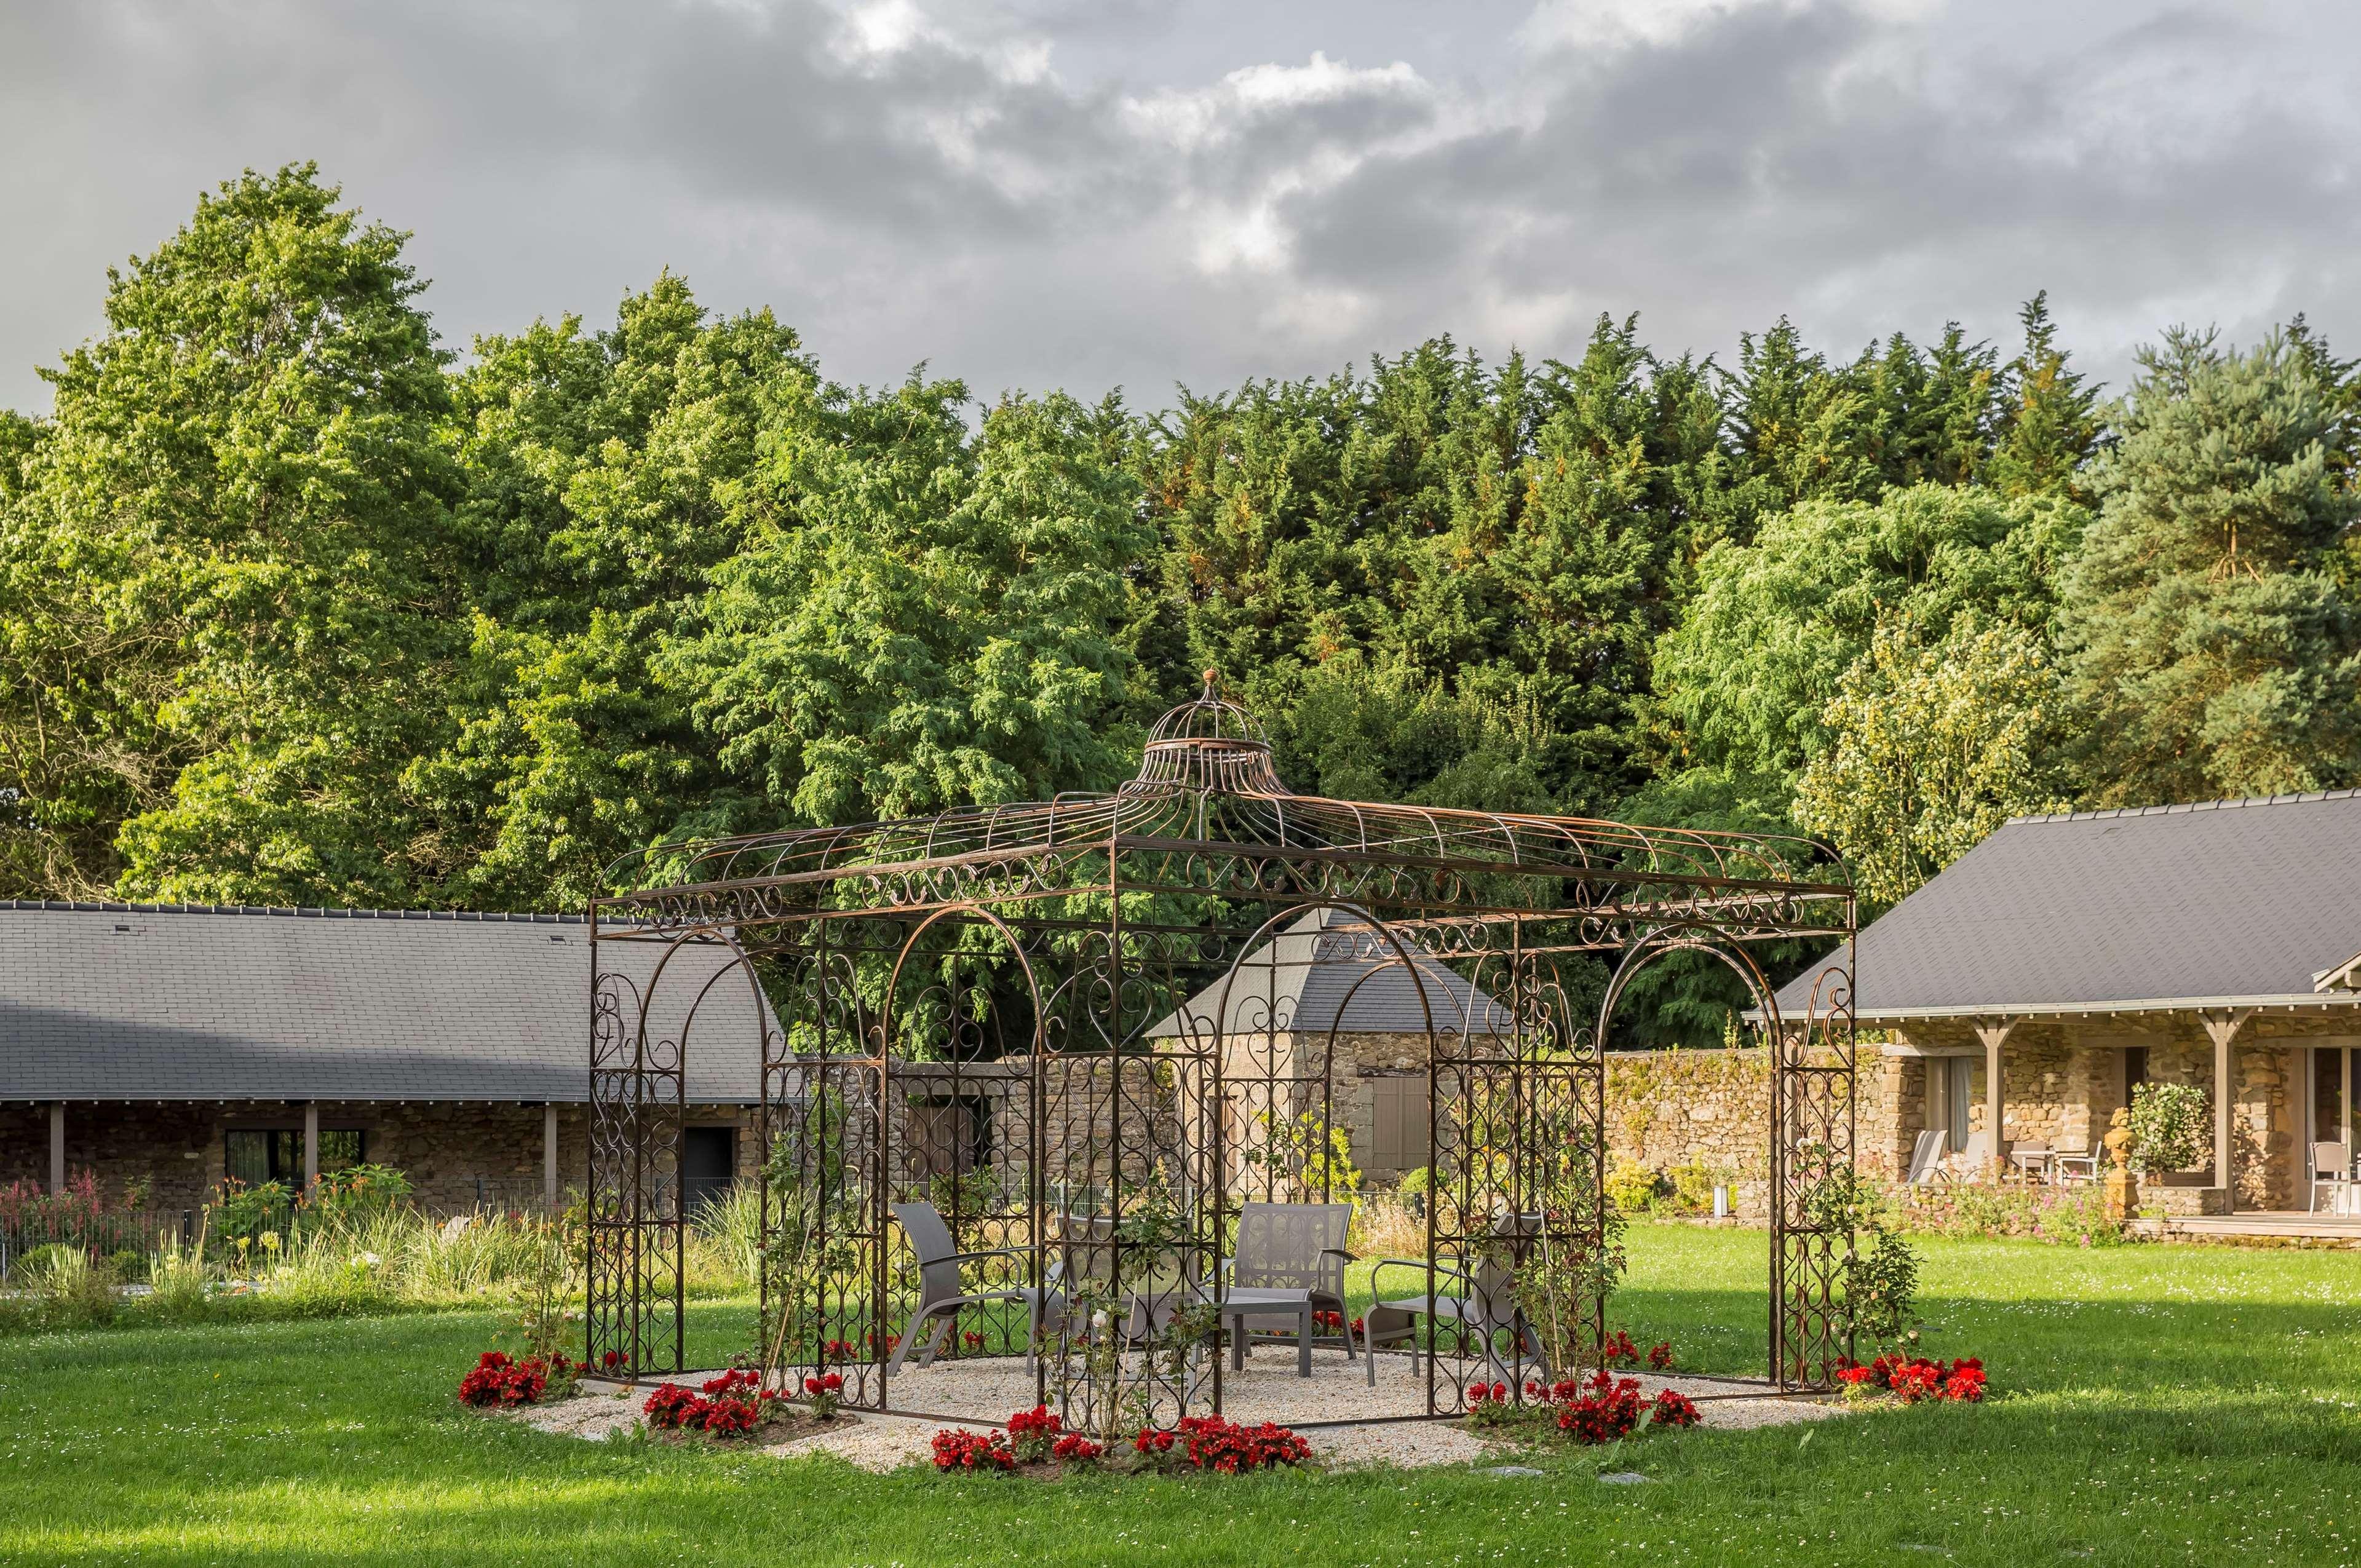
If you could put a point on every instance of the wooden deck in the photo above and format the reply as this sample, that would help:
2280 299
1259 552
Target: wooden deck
2261 1227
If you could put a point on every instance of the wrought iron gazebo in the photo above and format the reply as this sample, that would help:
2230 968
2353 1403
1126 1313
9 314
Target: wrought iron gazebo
978 1010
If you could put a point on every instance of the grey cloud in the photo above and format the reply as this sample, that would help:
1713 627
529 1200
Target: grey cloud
1859 167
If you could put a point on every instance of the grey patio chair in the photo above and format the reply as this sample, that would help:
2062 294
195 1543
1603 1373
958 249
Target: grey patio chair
943 1292
1290 1265
1926 1157
1485 1304
2332 1167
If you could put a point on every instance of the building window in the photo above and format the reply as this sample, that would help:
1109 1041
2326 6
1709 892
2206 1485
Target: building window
253 1156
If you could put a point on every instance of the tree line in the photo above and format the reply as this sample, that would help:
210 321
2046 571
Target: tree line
299 607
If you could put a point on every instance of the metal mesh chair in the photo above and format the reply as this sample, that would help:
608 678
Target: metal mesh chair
1290 1265
942 1287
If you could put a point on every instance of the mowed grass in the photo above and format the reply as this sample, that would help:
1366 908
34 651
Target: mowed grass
2152 1405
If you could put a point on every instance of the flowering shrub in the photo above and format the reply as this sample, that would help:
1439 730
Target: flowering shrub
1672 1410
971 1340
1032 1434
1660 1357
1604 1409
962 1450
1914 1379
1616 1350
1075 1449
729 1405
824 1394
1488 1403
1217 1442
499 1379
837 1350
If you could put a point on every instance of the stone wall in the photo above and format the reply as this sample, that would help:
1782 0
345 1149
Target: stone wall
2064 1079
456 1155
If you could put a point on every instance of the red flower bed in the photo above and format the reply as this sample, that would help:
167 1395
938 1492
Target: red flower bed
729 1405
1914 1379
499 1379
1605 1409
1616 1350
1672 1409
1075 1449
1033 1433
1660 1357
965 1450
1217 1442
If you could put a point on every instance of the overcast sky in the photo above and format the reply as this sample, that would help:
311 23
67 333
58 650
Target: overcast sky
1092 192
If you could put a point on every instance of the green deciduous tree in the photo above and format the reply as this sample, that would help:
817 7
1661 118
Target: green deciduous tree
1775 625
609 474
2211 652
226 600
922 621
1932 745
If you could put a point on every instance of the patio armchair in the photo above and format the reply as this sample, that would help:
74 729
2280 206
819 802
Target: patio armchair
2332 1167
1926 1157
1484 1304
2071 1164
942 1291
2032 1160
1290 1265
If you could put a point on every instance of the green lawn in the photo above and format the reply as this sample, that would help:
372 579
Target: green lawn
2152 1405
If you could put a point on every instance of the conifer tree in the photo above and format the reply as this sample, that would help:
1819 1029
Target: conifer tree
2049 424
2209 651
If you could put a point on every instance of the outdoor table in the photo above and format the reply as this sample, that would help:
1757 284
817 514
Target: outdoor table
1240 1305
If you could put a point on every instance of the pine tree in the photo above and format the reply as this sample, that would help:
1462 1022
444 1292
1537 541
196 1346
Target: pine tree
2211 653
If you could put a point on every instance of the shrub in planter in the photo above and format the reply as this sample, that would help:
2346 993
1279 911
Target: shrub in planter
2170 1125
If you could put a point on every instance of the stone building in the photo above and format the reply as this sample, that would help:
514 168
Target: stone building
1323 1001
169 1049
2067 959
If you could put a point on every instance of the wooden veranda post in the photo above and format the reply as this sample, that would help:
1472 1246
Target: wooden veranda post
2222 1028
1993 1032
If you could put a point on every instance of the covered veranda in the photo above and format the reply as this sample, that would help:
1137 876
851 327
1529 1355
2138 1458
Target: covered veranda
2022 996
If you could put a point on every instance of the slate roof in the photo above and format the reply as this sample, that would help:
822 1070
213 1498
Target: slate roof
147 1002
1321 966
2222 903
